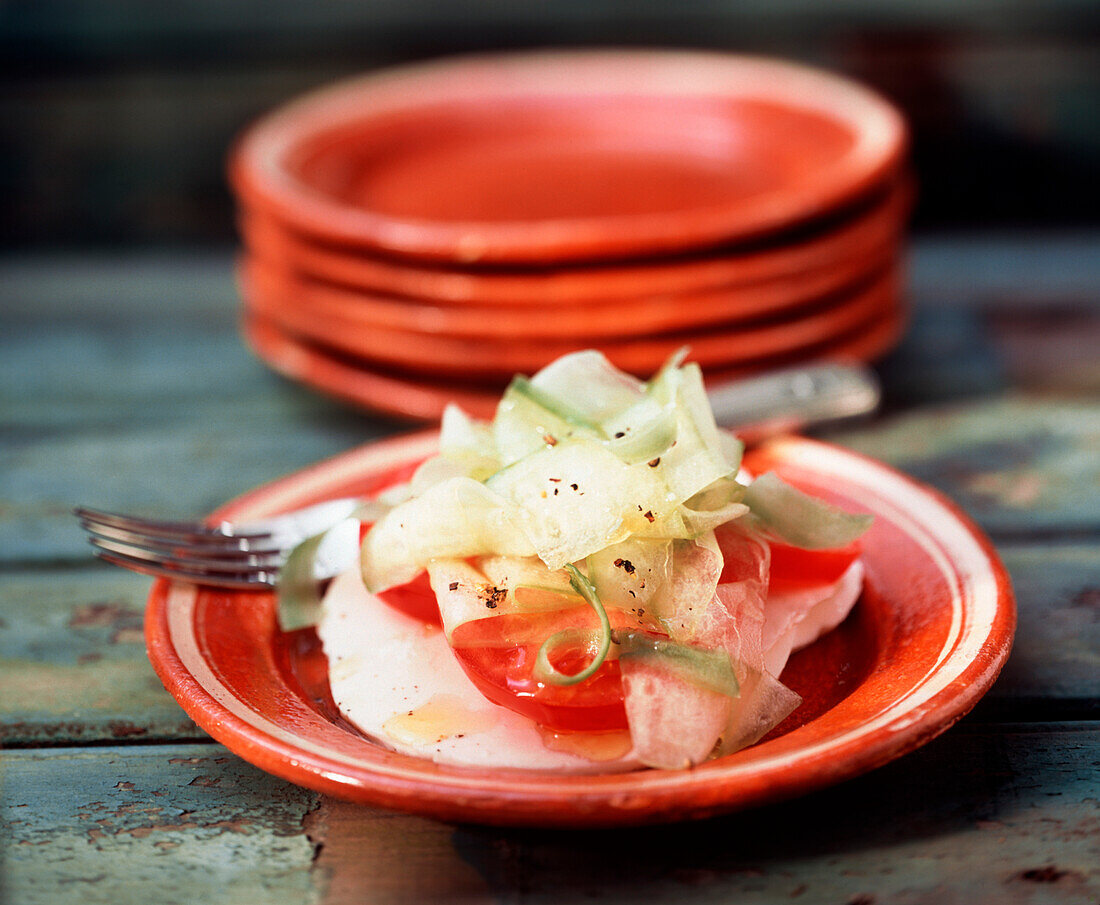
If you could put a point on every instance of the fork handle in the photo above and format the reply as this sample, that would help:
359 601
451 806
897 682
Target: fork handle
794 399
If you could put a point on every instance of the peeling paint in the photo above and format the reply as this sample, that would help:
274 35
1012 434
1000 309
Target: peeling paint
236 840
109 614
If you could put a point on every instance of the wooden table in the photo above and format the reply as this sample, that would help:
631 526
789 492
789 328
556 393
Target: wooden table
125 385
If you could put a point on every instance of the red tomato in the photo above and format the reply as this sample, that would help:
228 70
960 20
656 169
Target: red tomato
792 566
498 653
416 599
499 658
503 675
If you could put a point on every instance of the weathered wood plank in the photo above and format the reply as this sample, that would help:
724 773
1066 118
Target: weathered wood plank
1018 466
1054 669
73 665
139 419
982 815
180 472
1004 815
182 824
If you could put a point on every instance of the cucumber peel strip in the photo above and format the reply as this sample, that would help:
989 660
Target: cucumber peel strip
704 667
298 595
545 670
540 397
801 520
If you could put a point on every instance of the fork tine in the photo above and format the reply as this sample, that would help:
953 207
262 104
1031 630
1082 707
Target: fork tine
211 545
254 581
159 528
187 560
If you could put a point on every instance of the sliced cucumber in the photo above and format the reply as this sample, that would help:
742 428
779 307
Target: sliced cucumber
578 497
527 421
458 517
802 520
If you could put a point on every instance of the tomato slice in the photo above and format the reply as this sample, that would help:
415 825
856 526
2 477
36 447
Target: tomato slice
499 656
793 567
504 676
499 653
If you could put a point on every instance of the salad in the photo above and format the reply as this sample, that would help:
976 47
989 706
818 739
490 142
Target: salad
587 582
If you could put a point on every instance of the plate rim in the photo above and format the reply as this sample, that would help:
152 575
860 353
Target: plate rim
367 384
881 220
523 798
260 180
859 301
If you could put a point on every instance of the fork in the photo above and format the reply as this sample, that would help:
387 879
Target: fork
250 555
242 556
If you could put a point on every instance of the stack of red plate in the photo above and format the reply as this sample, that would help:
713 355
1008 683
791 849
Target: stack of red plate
421 235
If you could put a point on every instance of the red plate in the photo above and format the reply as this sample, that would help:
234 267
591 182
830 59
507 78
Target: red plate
830 245
484 358
423 399
270 277
930 634
568 156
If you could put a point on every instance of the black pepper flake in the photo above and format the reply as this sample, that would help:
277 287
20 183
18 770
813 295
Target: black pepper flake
574 486
555 491
653 463
632 594
493 596
626 565
650 516
454 585
620 434
641 611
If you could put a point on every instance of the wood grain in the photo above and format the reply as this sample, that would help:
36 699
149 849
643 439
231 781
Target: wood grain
982 815
1020 467
73 665
161 824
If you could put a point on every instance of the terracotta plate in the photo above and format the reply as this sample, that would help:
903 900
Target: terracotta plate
829 244
267 276
568 156
482 358
421 398
930 634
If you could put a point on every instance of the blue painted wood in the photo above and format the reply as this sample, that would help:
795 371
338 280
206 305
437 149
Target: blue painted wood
72 661
982 815
1021 467
182 824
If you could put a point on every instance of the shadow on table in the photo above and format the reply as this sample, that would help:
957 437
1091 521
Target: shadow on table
921 808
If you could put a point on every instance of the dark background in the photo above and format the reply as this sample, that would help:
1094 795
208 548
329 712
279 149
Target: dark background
115 115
